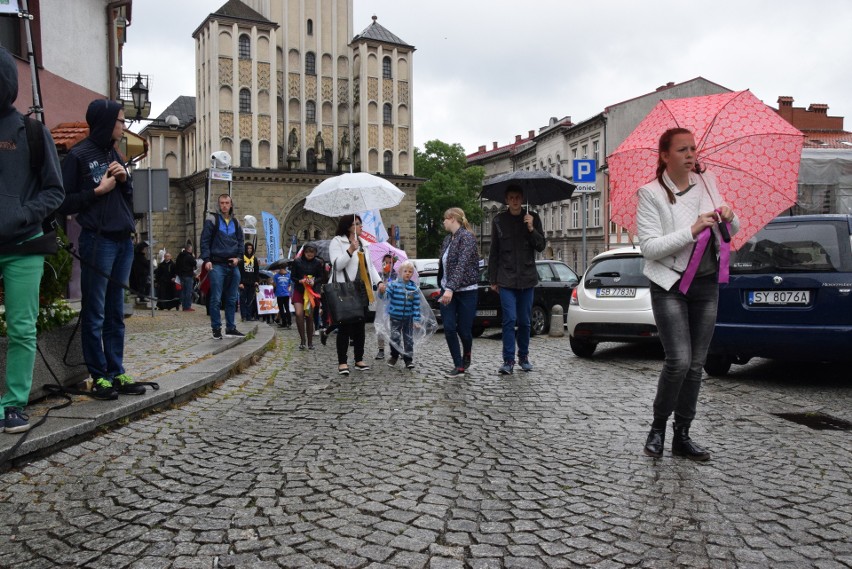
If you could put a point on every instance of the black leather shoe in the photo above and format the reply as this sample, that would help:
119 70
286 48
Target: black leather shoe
654 442
682 445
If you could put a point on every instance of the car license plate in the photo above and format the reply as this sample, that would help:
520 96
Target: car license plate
618 292
486 313
779 297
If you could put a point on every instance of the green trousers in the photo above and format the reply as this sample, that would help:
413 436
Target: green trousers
21 280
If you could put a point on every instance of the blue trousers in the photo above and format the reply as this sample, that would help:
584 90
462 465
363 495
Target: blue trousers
517 311
457 319
227 279
102 312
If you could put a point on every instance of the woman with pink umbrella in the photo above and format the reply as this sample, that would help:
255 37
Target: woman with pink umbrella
682 224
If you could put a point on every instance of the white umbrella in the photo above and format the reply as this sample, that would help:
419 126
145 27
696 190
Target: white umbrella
353 193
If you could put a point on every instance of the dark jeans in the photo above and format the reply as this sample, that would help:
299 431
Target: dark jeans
356 332
401 335
284 310
517 311
186 284
248 302
685 323
223 279
457 319
102 312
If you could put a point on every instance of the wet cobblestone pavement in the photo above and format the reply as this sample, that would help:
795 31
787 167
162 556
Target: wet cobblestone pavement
290 465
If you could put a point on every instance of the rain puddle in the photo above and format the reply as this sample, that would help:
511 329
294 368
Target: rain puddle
817 421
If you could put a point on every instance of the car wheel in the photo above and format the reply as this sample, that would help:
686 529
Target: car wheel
477 331
582 348
717 365
539 321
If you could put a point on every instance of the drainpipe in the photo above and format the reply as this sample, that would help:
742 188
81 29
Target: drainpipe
111 54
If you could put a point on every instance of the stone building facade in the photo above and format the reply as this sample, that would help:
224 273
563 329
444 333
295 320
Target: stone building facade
287 90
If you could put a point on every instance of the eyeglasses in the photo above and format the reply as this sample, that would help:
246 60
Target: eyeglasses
122 121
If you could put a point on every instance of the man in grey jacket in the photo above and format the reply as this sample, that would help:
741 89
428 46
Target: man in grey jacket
32 193
515 238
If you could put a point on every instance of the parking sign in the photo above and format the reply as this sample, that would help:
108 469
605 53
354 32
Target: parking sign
584 175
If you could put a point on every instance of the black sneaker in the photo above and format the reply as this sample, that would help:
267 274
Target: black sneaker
455 372
217 333
323 337
466 361
125 385
380 355
392 361
506 368
16 421
102 389
234 333
409 365
362 367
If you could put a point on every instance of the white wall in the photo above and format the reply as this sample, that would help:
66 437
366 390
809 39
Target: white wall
74 41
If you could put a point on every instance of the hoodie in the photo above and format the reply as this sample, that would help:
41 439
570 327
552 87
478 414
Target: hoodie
27 197
110 214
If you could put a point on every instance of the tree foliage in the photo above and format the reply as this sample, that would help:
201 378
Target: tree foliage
450 183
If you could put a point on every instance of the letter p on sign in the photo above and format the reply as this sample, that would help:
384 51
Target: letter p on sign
584 171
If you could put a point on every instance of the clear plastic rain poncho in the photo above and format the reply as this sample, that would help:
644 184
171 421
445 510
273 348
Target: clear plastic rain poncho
393 333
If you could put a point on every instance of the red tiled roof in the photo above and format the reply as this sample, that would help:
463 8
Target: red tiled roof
67 134
828 139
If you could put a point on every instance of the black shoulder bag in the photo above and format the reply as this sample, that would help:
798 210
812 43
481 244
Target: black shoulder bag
343 300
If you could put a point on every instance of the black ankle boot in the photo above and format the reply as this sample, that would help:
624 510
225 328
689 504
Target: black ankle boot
682 445
656 438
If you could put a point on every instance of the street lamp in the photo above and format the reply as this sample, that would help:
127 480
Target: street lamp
139 92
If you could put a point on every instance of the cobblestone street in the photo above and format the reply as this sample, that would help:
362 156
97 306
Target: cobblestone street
290 465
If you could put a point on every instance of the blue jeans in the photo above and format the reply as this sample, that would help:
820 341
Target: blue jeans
685 323
102 312
517 311
401 334
222 277
457 319
186 284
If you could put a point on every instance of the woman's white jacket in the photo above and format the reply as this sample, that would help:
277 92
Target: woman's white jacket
341 260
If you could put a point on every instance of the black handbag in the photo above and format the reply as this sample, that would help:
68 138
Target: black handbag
344 301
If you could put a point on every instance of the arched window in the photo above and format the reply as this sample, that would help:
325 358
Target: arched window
310 111
245 154
245 101
310 27
388 163
245 47
386 68
310 63
387 113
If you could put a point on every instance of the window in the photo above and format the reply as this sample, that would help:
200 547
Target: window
388 163
573 154
310 63
596 212
596 151
575 214
245 101
310 27
245 154
10 35
310 112
552 218
387 113
386 68
585 151
245 47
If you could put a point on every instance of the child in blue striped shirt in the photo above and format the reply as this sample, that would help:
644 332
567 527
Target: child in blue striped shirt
404 311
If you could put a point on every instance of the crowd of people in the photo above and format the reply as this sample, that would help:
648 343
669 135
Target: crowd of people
678 210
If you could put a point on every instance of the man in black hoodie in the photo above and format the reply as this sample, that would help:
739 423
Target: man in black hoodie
29 195
99 190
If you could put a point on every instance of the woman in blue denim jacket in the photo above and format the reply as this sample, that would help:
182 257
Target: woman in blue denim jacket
458 274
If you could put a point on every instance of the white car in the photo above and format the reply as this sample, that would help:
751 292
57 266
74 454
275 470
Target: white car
612 303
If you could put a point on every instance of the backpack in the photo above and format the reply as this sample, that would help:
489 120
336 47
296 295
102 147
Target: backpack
35 141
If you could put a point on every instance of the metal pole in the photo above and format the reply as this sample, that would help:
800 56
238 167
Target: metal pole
151 237
36 108
583 213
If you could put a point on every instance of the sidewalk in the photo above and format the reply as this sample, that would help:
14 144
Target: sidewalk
174 349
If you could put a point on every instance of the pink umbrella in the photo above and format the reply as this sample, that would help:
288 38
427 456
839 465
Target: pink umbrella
379 250
753 152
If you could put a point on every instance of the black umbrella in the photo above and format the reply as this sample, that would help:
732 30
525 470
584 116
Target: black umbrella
539 187
279 264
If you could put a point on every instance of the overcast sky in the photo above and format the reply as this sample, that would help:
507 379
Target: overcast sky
486 70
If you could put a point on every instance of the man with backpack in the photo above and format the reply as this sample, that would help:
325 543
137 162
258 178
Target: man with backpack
32 186
221 249
99 190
